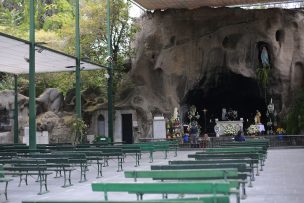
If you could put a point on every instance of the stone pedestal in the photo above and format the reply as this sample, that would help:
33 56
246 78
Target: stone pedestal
220 126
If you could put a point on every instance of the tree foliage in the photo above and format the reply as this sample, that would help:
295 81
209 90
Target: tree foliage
295 117
55 25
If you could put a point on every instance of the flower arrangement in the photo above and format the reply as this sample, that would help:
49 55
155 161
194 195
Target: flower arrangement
253 129
280 131
230 130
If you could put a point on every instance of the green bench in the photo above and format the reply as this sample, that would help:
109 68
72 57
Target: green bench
228 174
248 162
242 169
214 188
28 168
207 199
251 154
255 156
94 157
74 159
4 179
107 153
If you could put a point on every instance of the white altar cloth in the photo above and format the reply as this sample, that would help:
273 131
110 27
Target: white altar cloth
261 127
220 126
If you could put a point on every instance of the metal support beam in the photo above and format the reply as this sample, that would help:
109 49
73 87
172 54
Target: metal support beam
110 79
16 108
77 48
32 86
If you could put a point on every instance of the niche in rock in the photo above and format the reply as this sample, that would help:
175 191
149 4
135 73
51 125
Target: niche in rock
264 56
279 36
226 90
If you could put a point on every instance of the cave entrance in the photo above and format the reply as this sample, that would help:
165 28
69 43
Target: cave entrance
226 90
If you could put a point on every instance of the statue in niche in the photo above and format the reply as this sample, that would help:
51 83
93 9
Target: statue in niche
264 57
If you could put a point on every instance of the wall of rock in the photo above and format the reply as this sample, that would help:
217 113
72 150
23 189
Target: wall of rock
177 51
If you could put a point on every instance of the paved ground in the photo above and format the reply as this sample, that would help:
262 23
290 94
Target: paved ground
281 181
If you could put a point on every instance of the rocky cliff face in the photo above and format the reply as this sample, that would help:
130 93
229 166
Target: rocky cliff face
209 56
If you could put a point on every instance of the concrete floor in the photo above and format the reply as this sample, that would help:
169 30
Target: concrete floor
281 181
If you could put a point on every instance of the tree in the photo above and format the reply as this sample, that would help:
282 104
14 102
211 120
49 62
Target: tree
55 25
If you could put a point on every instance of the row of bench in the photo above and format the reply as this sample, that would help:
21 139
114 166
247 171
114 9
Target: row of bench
213 172
22 162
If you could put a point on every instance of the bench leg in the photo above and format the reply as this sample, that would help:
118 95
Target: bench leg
244 195
252 178
175 152
151 157
119 161
83 172
43 182
257 173
136 159
165 196
166 154
250 181
21 178
238 199
261 169
139 196
99 169
105 195
65 178
58 172
105 161
5 190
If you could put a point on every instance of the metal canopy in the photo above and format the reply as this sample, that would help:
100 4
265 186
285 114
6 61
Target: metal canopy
14 58
191 4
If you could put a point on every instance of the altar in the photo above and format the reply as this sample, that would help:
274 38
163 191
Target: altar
221 125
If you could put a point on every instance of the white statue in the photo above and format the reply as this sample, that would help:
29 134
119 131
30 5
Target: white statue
224 114
264 57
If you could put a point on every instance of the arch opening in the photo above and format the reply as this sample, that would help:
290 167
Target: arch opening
226 90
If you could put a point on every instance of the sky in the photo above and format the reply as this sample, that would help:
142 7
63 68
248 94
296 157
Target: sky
135 11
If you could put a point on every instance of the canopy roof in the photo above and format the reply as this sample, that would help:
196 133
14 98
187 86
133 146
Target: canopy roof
14 58
191 4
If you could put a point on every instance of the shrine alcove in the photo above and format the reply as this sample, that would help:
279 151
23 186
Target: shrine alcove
226 90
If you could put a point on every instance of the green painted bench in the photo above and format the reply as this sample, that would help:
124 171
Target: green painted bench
237 150
74 159
242 169
249 162
207 199
28 168
228 156
214 188
229 174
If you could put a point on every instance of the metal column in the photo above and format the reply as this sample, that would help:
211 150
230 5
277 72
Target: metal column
16 108
110 79
77 48
32 86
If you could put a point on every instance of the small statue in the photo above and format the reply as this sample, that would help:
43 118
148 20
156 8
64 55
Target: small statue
257 118
264 57
224 114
